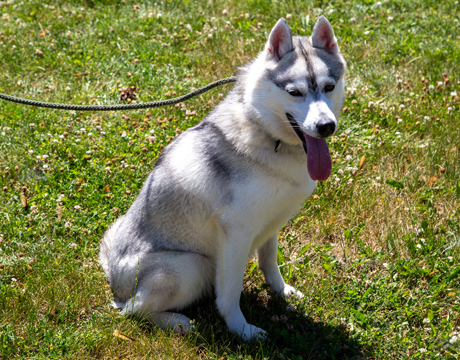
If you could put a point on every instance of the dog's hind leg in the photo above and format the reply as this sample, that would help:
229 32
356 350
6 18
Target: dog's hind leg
268 263
163 281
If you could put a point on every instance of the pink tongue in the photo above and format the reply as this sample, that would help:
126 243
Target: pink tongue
318 158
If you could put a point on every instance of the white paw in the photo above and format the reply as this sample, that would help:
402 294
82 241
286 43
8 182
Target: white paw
250 332
289 291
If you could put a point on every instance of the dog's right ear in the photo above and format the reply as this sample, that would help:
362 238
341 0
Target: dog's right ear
279 41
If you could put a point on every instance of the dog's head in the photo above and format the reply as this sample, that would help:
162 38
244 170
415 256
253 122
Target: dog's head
300 92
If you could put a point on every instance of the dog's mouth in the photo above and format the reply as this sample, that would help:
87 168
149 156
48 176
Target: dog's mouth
318 159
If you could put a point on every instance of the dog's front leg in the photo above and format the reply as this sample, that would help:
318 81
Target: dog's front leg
232 259
268 263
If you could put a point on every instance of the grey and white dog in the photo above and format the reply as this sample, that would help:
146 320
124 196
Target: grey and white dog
224 188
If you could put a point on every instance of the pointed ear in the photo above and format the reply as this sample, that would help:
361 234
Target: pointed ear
279 41
323 36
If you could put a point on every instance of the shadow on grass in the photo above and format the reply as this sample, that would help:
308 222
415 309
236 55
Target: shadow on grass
291 334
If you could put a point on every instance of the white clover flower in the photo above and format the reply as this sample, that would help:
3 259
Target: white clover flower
419 246
440 83
371 104
350 180
397 133
340 171
225 12
123 135
390 18
61 136
159 15
89 152
55 140
337 179
366 32
68 88
73 246
377 178
431 87
39 157
399 121
453 93
77 207
31 151
288 17
32 125
67 225
426 321
348 157
352 19
45 166
90 134
402 106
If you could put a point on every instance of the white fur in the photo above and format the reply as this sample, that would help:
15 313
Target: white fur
218 236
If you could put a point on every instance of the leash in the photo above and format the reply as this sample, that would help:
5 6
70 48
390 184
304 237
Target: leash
152 104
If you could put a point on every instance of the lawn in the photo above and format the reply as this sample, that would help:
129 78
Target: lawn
375 250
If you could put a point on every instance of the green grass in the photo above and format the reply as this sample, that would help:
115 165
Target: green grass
376 250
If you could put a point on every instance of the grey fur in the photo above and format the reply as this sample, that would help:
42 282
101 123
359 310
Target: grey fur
220 192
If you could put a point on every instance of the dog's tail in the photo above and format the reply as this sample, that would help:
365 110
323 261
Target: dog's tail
106 245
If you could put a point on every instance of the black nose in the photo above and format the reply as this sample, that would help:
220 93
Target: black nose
325 128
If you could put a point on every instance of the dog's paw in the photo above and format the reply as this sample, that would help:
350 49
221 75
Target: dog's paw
250 332
290 291
183 327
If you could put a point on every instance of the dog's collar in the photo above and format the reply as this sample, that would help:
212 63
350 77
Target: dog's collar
278 145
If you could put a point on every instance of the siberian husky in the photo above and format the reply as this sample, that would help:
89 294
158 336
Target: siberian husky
224 188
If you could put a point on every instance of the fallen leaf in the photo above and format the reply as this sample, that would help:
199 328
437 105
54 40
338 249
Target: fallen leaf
432 181
23 200
59 212
119 335
361 162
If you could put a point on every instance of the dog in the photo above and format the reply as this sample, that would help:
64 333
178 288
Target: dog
222 190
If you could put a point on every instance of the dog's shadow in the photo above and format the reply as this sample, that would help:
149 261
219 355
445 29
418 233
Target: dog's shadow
291 333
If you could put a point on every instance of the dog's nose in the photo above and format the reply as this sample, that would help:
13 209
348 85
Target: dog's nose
325 128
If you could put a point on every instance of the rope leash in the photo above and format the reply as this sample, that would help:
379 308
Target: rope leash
152 104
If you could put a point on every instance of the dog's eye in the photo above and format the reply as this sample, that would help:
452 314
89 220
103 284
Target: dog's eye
329 88
294 93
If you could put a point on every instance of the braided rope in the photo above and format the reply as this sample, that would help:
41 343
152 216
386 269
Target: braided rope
152 104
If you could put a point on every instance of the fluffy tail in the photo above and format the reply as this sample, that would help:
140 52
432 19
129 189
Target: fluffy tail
106 245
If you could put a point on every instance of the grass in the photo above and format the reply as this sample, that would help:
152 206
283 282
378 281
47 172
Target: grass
375 250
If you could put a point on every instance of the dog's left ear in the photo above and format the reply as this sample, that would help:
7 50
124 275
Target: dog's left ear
323 36
279 41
